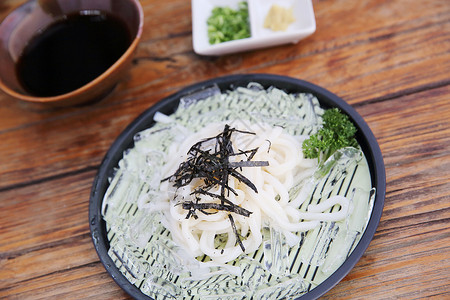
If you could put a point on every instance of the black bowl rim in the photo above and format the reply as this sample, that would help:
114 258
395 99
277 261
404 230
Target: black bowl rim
169 104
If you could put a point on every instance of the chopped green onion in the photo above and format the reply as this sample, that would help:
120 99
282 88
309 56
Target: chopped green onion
226 24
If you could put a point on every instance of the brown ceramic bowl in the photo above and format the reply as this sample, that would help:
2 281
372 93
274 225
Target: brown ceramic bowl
24 23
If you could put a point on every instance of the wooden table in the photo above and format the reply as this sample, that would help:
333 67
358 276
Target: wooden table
389 59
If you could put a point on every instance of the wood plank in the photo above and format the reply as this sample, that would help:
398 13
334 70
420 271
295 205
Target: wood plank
45 214
389 54
412 234
328 58
389 59
66 254
69 271
409 268
63 153
88 281
48 252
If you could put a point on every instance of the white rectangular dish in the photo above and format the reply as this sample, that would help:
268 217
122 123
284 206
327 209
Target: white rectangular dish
303 26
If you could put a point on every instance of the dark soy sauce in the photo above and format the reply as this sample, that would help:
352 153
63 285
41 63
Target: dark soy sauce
72 52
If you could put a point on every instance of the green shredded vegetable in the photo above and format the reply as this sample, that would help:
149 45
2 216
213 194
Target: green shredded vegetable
226 24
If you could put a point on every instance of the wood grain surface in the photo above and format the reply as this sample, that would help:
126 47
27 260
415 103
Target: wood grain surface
389 59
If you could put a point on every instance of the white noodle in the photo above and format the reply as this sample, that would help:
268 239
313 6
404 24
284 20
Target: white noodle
271 203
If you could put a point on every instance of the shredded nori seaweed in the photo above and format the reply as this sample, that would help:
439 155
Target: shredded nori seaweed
214 167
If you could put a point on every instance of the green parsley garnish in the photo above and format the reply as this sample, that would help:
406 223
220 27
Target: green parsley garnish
226 24
336 132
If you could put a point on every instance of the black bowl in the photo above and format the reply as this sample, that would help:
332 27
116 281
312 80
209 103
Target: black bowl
168 105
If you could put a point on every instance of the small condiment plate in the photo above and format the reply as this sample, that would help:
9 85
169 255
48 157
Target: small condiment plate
303 26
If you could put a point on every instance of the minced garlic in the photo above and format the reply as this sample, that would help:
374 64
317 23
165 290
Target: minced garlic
279 18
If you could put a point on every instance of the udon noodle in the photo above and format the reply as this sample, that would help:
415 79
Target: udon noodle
270 204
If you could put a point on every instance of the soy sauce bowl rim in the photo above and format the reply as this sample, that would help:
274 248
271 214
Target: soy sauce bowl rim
91 84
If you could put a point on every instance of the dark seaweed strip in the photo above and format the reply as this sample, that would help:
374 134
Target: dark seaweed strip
341 186
295 259
247 163
325 183
252 274
135 211
189 205
243 131
333 183
124 264
212 195
261 258
314 274
307 270
153 262
129 208
208 282
310 200
150 239
236 233
299 268
310 132
244 179
331 241
165 231
351 180
140 284
255 254
321 191
252 153
122 209
157 256
215 168
106 208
